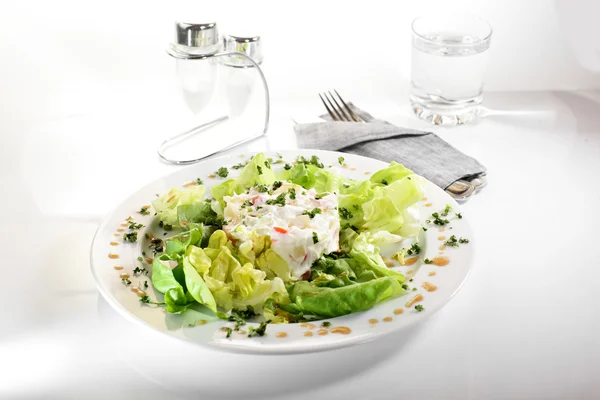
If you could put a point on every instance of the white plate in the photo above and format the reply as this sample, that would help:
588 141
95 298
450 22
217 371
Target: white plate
448 279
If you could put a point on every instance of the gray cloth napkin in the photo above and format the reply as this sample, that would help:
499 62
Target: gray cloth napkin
423 152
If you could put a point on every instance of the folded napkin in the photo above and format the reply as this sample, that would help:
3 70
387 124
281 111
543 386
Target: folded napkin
423 152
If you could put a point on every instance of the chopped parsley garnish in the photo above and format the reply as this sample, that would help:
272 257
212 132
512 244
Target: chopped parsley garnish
134 226
405 286
279 200
315 238
259 169
139 270
223 172
140 259
414 250
238 322
268 163
459 215
344 213
144 211
327 324
319 196
419 308
145 283
126 281
277 185
146 300
427 261
446 210
260 330
262 188
247 203
314 160
156 245
199 181
453 242
437 220
384 182
238 166
424 229
341 160
312 213
287 167
279 155
292 193
245 314
229 331
130 237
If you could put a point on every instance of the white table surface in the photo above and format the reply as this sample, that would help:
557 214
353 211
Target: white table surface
525 325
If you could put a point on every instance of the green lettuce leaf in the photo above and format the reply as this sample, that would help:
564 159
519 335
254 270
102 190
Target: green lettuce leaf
176 300
327 302
162 274
197 287
368 259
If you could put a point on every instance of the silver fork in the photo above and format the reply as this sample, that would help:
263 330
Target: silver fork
460 190
337 112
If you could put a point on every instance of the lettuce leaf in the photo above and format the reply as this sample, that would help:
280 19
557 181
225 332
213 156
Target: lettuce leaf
367 255
386 210
327 302
311 176
197 287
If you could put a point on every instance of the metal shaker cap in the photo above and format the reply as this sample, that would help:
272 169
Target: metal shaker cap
197 38
249 45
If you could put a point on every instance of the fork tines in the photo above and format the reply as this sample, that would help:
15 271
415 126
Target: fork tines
337 112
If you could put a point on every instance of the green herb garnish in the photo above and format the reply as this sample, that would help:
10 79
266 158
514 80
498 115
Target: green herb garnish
260 331
144 211
459 215
327 324
312 213
279 200
287 167
427 261
199 181
130 237
341 160
414 250
437 220
146 300
259 169
419 308
315 238
134 226
292 193
446 210
277 185
223 172
344 213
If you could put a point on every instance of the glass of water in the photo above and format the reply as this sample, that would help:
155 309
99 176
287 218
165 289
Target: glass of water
449 55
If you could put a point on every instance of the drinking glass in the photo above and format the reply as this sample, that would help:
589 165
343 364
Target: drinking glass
449 57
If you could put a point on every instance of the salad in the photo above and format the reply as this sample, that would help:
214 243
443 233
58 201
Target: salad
296 245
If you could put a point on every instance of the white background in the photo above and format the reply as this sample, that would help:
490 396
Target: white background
87 92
